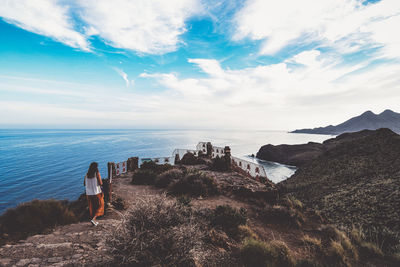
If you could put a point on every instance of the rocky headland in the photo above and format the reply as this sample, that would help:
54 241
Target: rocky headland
353 180
298 155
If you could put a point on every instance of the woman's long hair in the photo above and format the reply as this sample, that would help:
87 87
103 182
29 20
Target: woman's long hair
92 170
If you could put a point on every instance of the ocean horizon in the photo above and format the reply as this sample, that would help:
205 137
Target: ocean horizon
51 163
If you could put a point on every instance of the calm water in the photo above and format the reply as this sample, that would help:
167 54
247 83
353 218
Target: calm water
46 164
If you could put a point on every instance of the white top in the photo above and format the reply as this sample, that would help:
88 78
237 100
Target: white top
92 186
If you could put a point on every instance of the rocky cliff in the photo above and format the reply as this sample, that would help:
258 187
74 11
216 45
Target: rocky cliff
299 155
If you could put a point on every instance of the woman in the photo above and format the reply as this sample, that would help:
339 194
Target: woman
94 195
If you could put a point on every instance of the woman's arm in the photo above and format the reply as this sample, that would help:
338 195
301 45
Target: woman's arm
99 179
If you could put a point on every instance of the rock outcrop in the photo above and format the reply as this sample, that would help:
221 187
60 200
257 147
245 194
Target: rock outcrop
298 155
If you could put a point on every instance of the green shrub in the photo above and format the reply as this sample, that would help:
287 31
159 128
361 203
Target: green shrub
256 253
157 168
221 164
194 184
144 177
34 217
165 178
229 218
189 159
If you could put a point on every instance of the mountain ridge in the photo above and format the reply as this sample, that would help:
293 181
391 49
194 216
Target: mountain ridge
366 121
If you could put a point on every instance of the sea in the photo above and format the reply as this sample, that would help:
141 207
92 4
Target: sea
44 164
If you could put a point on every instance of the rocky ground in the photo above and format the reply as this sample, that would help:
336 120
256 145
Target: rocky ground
81 244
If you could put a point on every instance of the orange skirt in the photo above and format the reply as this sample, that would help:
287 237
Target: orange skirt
96 204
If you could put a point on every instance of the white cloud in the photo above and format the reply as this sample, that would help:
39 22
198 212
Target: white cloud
145 26
345 25
44 17
300 91
308 90
148 26
125 77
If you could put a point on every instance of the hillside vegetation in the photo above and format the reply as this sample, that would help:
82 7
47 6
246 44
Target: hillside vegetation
355 183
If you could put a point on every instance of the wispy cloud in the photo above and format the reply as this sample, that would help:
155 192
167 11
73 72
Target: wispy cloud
125 77
48 18
254 96
144 26
345 25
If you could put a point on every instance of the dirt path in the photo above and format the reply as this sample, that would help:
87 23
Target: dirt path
70 245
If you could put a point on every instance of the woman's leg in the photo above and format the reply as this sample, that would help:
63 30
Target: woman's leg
100 206
90 204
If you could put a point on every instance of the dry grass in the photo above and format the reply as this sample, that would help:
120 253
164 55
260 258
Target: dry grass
34 217
259 253
292 202
341 237
228 218
160 232
337 255
312 244
194 184
282 215
246 232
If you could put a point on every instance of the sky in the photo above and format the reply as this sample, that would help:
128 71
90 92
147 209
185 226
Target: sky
196 64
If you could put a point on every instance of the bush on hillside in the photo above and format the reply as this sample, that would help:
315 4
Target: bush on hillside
194 184
221 164
144 177
160 232
341 249
157 168
167 177
189 159
228 218
312 243
256 253
119 203
282 215
245 231
80 208
34 217
292 202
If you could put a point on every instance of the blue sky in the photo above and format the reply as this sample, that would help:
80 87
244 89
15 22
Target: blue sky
253 64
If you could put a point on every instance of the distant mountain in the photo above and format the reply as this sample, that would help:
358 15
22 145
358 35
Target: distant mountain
366 121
